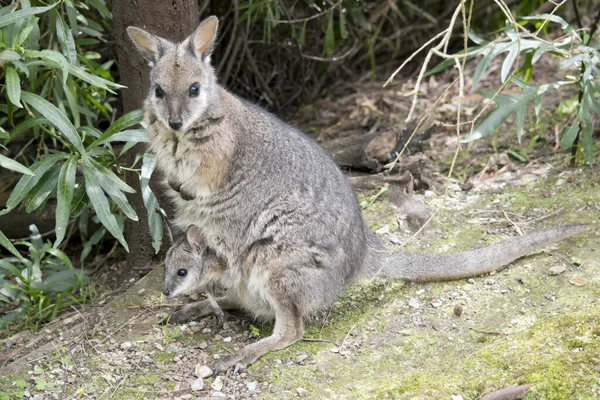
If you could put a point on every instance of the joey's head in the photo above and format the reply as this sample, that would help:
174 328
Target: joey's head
186 264
182 80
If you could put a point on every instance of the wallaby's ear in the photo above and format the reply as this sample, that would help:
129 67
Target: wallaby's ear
195 238
146 43
202 40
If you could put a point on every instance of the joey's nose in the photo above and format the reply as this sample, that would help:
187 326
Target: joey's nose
175 123
166 292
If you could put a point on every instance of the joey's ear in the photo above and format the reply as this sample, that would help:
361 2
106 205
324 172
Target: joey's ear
202 40
195 238
146 43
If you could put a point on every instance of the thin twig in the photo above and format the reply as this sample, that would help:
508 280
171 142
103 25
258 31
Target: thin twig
296 21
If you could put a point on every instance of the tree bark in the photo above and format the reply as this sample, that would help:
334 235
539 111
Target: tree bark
172 20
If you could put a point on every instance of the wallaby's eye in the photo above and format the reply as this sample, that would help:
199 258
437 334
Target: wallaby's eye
195 89
182 272
158 92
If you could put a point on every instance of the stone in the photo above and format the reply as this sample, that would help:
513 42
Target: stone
217 385
202 371
557 270
302 392
198 385
126 346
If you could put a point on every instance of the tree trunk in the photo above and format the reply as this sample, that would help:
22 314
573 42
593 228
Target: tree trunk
172 20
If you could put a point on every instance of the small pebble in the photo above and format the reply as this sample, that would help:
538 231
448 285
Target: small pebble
219 395
198 385
302 392
202 371
217 384
126 346
458 310
557 270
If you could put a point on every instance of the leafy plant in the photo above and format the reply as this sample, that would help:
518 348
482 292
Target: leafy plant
60 131
580 55
41 285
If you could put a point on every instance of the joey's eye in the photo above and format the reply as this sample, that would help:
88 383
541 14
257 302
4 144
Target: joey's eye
158 92
194 89
182 272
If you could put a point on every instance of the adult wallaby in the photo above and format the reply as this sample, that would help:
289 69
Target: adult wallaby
270 202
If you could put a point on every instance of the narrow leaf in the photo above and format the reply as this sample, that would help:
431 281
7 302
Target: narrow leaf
40 193
102 209
27 182
115 194
131 118
9 246
20 14
58 119
13 86
13 165
65 190
155 221
65 37
111 176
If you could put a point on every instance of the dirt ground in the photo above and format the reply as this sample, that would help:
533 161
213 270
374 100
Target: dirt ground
535 322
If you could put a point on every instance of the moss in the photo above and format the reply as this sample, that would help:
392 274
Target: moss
163 357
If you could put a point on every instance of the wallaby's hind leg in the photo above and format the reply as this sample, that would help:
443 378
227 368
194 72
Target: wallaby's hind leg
288 329
199 309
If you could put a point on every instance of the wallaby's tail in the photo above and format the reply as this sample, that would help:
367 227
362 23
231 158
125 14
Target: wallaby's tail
439 267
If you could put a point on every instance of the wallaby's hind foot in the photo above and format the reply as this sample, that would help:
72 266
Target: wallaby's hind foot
289 329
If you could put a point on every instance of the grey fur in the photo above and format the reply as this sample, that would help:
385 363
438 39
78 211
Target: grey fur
275 207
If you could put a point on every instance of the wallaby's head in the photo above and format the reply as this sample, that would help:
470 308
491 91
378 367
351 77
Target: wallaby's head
187 263
182 80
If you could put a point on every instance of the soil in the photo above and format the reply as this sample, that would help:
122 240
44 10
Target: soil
535 322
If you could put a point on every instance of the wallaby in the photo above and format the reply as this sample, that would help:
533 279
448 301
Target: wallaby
190 268
271 203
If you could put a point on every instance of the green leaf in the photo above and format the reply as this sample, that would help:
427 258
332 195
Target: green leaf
56 57
115 194
64 194
102 209
130 135
58 119
25 32
79 201
65 37
70 94
20 14
100 5
508 104
343 30
27 182
329 36
111 176
13 86
155 221
4 242
302 38
40 193
13 165
27 124
131 118
509 62
9 55
63 280
94 240
550 17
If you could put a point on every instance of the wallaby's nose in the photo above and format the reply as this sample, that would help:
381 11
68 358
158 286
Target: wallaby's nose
175 123
166 292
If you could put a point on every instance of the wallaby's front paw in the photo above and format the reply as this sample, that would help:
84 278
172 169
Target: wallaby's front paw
185 194
175 184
